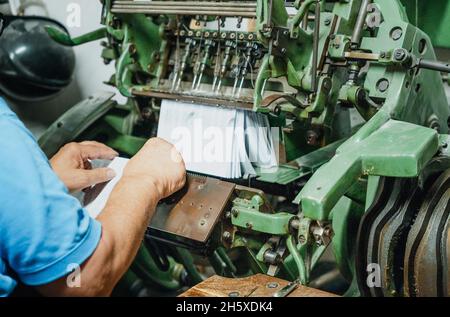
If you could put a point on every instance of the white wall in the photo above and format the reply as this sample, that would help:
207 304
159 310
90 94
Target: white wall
90 70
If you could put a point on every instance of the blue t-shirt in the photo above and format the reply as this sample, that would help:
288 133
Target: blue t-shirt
44 231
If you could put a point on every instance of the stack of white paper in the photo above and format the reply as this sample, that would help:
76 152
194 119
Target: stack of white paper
216 141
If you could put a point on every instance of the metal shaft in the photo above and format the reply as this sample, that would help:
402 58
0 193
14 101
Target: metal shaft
359 26
434 65
316 39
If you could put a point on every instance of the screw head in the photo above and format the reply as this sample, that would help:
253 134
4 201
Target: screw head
312 137
396 33
272 285
399 55
383 85
226 236
302 239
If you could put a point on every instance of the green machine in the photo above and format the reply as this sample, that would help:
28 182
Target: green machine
358 95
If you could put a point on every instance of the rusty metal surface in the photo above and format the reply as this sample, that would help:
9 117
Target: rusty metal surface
392 241
446 258
229 103
194 212
258 285
428 264
421 274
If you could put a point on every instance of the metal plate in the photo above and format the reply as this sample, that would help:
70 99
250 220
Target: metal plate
194 212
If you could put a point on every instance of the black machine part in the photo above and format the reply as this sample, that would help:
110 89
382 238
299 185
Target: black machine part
406 232
32 65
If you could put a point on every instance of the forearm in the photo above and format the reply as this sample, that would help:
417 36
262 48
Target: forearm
125 219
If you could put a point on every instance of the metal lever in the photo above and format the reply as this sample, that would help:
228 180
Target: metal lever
288 289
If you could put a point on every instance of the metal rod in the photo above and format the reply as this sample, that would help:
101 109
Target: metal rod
183 7
186 3
358 30
434 65
316 39
187 12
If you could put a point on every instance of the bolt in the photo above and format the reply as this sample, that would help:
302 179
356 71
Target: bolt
327 21
146 113
434 124
228 215
226 236
249 225
327 84
272 285
399 55
295 224
396 33
383 85
312 137
234 212
302 239
132 49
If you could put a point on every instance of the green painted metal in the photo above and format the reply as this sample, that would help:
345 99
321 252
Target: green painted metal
395 149
432 17
345 219
405 121
383 146
246 214
298 259
65 39
145 267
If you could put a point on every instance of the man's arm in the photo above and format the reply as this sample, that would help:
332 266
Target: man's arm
154 173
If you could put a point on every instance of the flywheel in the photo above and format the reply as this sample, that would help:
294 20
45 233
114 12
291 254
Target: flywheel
406 235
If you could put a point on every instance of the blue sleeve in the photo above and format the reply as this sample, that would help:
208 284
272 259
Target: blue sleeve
43 230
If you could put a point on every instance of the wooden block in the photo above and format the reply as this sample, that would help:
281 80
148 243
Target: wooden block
258 285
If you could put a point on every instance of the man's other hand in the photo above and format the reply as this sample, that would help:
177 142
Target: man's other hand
157 165
72 164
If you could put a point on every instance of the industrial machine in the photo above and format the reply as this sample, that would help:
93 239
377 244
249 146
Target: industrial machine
358 95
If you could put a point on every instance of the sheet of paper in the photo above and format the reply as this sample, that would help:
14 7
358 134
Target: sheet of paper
204 136
95 198
218 141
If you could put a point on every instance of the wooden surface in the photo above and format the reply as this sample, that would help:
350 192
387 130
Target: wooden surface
259 285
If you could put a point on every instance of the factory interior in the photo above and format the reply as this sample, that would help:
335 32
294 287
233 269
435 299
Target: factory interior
313 135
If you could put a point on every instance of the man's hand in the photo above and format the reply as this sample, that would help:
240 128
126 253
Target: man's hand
158 164
72 164
154 173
